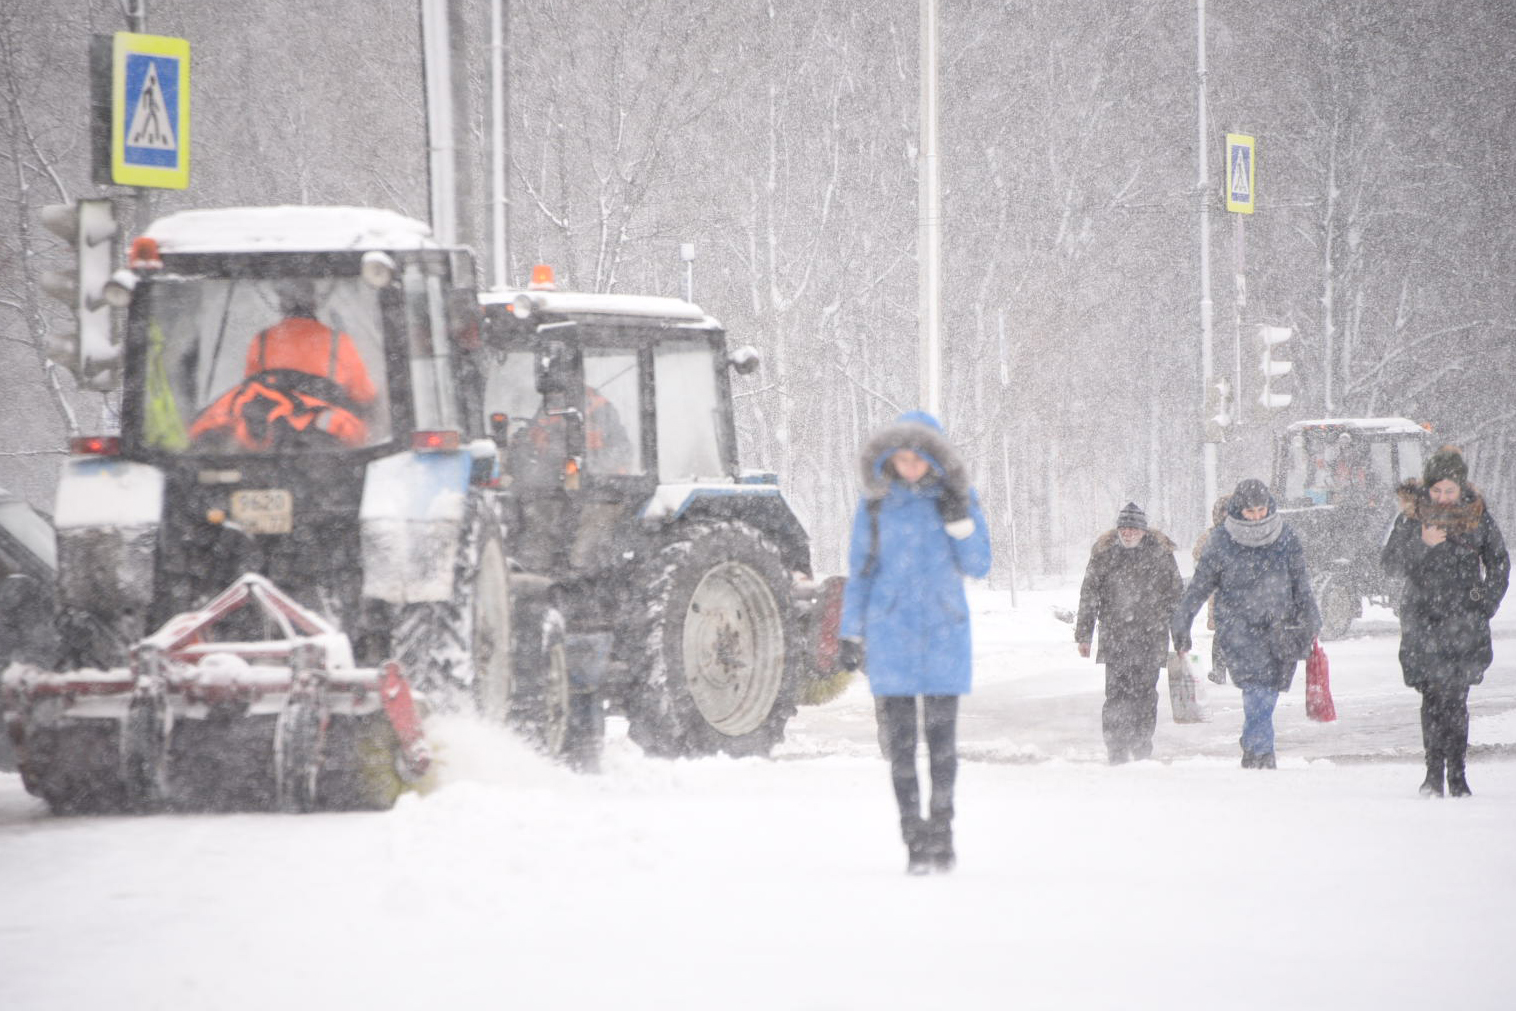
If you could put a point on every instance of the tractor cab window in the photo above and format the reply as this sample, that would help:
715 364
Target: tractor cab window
259 365
1411 463
689 415
537 427
510 390
612 412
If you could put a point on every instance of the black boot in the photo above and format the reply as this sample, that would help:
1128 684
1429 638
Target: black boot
939 848
917 840
1432 785
1458 786
1249 760
1264 760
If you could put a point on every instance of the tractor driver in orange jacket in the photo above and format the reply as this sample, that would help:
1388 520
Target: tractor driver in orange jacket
303 378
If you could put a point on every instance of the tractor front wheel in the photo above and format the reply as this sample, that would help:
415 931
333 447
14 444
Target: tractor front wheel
719 663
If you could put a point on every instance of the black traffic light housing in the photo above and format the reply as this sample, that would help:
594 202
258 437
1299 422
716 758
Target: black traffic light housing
88 351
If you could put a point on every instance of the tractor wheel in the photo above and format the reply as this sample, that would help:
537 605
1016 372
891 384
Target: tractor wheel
458 651
1339 605
565 724
719 667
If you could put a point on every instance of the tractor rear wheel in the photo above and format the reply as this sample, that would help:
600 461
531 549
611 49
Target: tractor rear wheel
458 651
719 667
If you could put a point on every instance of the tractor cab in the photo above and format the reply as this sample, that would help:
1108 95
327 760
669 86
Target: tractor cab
273 359
1335 480
599 404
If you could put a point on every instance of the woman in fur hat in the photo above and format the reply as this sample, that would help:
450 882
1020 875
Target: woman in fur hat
1266 614
917 532
1456 568
1130 587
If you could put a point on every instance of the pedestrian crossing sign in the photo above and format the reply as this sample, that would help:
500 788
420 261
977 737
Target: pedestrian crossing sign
150 111
1240 173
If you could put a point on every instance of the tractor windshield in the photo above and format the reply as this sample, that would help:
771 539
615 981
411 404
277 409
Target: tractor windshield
1336 466
536 427
256 365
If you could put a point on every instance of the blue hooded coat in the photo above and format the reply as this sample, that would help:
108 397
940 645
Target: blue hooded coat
1266 614
905 599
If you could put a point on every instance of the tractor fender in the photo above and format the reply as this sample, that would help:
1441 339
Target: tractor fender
106 521
410 520
760 505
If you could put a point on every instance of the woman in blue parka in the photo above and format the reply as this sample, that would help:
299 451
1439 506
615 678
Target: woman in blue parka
1266 614
917 532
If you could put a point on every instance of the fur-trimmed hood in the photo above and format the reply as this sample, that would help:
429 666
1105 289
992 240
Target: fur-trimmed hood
1461 517
921 433
1109 540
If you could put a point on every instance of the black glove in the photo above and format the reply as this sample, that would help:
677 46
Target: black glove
1182 644
952 505
850 654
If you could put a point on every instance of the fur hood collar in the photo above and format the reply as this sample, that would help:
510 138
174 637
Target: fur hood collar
922 434
1462 516
1108 541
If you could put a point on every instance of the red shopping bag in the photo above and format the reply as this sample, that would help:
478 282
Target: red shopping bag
1318 687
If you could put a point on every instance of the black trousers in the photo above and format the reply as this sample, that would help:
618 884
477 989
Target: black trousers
1445 723
898 733
1130 713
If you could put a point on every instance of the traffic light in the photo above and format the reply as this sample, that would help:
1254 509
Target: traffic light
1219 409
87 351
1271 337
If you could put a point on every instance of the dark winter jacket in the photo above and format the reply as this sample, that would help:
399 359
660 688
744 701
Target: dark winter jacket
1451 590
1266 614
1130 594
905 600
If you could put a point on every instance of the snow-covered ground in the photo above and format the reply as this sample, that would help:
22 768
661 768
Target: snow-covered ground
1184 882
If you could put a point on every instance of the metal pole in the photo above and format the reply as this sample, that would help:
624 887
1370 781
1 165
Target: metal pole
1240 280
1010 512
1203 180
500 218
439 120
929 238
142 196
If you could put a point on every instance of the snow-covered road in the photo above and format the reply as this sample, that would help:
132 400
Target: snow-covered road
1180 883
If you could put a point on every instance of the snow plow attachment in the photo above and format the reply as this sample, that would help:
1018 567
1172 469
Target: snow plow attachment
251 702
822 618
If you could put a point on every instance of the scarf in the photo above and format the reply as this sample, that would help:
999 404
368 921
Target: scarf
1462 517
1255 533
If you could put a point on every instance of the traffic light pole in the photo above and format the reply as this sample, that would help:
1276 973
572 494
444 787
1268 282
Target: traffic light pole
142 196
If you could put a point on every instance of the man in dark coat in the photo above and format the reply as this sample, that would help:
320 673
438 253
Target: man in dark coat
1456 570
1130 587
1266 614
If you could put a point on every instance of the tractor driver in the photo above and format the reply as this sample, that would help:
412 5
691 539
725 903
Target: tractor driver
538 450
303 378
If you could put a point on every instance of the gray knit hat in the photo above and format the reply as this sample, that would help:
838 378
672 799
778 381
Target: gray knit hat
1445 464
1131 517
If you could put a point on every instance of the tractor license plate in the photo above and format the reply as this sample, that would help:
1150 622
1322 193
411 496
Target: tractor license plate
264 511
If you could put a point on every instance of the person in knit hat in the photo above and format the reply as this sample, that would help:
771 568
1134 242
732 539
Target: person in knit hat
1266 614
1131 584
1456 568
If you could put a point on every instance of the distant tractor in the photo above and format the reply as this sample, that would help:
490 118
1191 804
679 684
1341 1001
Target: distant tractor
685 580
1336 479
302 488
